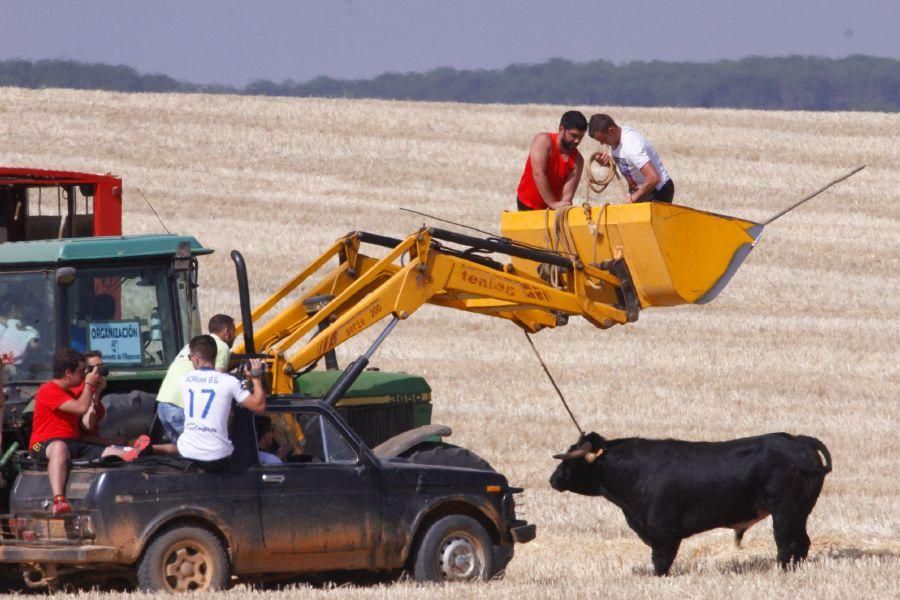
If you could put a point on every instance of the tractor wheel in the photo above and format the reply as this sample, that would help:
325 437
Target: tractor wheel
183 559
446 455
455 548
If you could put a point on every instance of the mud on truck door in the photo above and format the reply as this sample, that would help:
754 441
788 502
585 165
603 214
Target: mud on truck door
322 505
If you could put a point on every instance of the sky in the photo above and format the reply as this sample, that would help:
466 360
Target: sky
236 42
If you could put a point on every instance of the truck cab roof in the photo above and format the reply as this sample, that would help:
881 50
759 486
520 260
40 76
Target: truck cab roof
74 250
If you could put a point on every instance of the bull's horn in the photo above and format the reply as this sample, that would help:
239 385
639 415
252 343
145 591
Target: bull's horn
576 453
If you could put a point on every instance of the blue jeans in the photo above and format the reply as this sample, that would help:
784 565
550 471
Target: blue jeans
172 418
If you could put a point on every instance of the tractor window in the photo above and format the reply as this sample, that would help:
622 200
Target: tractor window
47 216
125 313
27 325
310 437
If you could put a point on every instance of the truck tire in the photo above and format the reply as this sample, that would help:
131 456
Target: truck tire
183 559
445 455
455 548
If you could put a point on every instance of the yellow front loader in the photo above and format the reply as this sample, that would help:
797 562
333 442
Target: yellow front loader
605 264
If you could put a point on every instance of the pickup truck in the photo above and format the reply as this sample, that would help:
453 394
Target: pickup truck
333 505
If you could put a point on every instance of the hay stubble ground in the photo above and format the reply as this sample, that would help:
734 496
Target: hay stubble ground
805 339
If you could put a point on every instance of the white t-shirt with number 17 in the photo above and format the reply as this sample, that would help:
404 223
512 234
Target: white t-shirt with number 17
207 396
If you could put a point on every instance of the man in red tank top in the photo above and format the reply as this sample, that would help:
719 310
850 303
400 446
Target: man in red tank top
554 165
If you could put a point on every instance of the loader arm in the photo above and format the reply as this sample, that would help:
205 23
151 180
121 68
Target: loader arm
618 260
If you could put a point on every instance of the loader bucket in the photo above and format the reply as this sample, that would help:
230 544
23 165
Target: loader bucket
676 255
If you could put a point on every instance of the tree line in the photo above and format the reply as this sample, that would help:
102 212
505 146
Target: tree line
788 83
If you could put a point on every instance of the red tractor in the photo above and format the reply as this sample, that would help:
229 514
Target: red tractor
36 204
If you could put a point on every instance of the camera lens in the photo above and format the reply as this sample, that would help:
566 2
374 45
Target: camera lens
102 370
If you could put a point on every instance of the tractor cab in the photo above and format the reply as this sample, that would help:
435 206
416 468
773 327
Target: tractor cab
68 279
132 298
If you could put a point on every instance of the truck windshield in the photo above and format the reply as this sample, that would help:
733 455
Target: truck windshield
27 324
125 313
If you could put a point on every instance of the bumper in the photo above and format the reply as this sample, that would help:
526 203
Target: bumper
522 534
58 554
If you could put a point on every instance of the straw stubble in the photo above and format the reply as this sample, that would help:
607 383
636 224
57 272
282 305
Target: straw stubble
805 339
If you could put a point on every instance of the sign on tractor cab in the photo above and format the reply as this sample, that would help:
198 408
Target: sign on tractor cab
119 341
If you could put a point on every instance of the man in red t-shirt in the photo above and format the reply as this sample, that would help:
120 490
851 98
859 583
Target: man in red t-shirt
554 165
56 429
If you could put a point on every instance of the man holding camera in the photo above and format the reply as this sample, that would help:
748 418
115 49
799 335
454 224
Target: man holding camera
207 396
169 404
56 434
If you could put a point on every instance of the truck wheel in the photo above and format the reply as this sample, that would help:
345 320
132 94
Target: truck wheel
184 559
455 548
446 455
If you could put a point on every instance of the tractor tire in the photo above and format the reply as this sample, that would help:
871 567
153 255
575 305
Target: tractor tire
182 560
446 455
455 548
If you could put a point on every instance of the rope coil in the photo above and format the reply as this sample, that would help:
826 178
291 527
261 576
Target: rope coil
599 185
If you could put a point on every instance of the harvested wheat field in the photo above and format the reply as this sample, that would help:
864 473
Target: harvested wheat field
805 339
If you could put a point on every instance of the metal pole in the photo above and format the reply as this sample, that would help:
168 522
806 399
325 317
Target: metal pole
353 371
814 194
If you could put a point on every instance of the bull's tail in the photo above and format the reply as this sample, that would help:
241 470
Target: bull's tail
817 445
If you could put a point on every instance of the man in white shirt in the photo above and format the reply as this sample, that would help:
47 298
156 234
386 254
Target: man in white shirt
207 395
640 165
169 407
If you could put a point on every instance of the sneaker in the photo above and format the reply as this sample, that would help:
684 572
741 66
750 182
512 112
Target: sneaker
141 444
61 507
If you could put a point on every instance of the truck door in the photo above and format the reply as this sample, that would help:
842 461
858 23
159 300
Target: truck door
323 502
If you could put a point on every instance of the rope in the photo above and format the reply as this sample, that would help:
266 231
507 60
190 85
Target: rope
552 381
599 184
594 228
561 243
564 240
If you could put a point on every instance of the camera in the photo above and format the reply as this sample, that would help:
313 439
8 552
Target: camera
102 370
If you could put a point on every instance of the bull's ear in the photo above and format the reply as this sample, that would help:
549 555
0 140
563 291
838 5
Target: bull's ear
592 457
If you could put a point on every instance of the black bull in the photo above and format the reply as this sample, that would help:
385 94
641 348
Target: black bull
672 489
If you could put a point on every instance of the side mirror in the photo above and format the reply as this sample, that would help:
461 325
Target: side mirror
65 276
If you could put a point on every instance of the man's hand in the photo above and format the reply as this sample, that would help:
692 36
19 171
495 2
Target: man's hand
101 385
283 452
256 369
7 358
603 159
92 377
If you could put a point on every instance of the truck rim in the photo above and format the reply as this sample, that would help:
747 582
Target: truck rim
460 557
187 567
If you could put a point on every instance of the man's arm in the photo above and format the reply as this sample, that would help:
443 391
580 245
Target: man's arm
651 180
539 153
81 405
90 418
257 400
572 181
